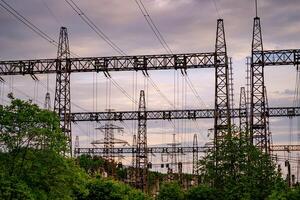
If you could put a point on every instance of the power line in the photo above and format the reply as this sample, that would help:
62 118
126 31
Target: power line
51 12
26 22
30 25
217 9
94 27
153 27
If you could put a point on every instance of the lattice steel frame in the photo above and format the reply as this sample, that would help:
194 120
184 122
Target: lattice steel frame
195 154
222 124
258 131
62 101
243 114
142 152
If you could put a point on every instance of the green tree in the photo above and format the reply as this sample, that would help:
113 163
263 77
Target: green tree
100 189
31 164
170 191
203 192
243 172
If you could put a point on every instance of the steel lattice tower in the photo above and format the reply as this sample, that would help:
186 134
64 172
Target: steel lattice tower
269 135
62 101
222 124
243 114
258 129
142 152
195 155
47 104
132 175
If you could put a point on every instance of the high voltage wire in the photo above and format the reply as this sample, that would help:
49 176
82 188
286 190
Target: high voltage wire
94 27
30 25
101 34
153 27
217 9
26 22
165 45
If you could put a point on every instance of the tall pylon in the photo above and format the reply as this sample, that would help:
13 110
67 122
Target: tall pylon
222 123
62 101
142 151
258 129
132 175
47 104
243 113
195 155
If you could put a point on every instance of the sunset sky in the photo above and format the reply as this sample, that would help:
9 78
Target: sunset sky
186 25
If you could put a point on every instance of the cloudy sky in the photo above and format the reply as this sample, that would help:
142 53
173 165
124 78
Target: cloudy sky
187 26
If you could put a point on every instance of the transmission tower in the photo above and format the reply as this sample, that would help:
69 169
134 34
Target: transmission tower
231 88
269 135
109 139
62 101
258 128
134 144
243 114
47 104
77 142
195 155
142 152
222 124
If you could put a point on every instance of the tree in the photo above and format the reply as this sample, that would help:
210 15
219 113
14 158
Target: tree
203 192
25 125
243 171
112 190
170 191
31 164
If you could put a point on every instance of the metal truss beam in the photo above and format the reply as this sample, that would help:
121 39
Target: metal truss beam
113 63
160 150
278 57
175 114
138 62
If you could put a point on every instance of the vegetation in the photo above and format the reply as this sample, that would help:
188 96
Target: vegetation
243 172
33 166
170 191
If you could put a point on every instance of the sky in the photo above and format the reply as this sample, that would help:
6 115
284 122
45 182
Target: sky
186 25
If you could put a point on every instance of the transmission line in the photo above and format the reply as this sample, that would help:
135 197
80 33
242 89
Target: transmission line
94 27
153 27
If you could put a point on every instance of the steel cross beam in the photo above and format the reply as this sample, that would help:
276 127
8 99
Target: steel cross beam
134 63
113 63
169 150
278 57
174 114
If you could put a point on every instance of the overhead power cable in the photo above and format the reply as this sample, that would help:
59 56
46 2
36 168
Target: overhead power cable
153 27
30 25
217 9
26 22
94 27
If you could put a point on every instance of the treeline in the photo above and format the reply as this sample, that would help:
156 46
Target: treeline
33 166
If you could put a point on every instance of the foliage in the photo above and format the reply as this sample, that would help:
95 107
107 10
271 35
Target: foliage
203 192
170 191
286 194
25 125
90 164
31 163
112 190
243 172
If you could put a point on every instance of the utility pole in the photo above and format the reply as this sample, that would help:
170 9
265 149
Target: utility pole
142 152
62 101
